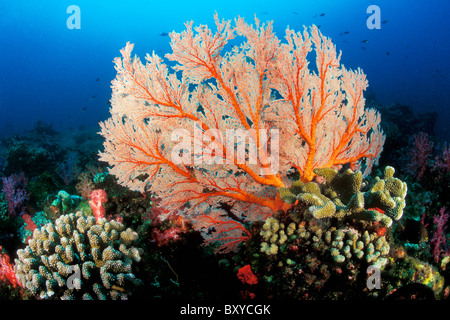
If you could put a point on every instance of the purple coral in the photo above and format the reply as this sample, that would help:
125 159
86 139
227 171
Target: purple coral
15 193
439 240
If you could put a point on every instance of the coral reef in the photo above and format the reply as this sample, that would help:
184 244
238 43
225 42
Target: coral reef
341 196
150 107
15 192
223 228
65 202
340 244
333 233
79 258
405 270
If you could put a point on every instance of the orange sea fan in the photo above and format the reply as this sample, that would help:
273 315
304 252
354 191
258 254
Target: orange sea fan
317 118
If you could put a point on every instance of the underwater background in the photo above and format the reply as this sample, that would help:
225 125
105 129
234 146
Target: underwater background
55 88
62 76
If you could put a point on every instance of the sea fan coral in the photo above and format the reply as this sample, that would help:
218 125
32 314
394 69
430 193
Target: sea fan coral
228 127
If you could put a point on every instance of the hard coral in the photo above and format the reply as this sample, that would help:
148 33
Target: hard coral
342 196
78 257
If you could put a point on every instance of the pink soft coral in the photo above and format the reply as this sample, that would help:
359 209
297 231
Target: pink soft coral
439 239
97 198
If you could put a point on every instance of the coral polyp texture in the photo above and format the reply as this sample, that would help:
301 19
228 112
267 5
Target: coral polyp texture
79 258
339 243
344 194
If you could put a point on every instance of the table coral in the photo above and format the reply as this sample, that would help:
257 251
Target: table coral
78 257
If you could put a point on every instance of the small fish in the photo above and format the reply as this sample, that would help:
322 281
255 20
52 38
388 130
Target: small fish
265 12
322 14
84 109
93 97
364 48
388 53
164 34
346 32
295 12
384 21
97 80
365 41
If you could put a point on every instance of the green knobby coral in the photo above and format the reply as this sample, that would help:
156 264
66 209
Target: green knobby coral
342 244
79 258
342 195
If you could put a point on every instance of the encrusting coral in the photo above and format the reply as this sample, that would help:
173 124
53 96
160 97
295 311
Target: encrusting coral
341 196
78 257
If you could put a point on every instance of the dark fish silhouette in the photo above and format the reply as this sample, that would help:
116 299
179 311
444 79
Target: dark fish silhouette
294 12
346 32
388 53
97 80
365 41
364 48
84 109
265 12
384 21
93 97
164 34
322 14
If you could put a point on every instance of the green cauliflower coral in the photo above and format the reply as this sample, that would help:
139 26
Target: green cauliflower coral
342 195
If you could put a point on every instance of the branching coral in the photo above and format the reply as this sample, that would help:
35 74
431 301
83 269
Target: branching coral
262 96
78 257
340 244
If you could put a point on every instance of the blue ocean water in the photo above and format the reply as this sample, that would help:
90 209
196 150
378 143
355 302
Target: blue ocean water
62 76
